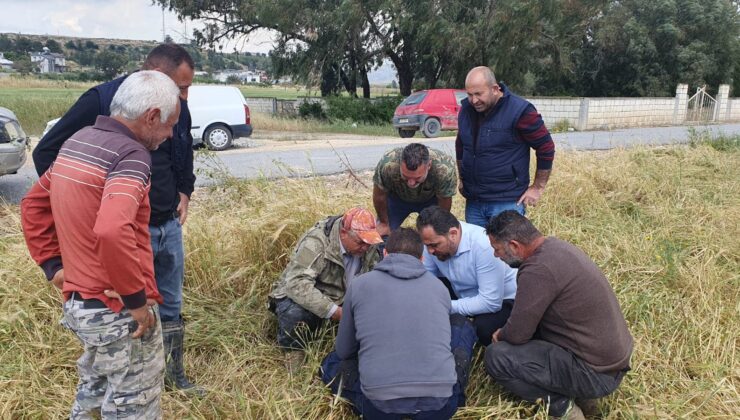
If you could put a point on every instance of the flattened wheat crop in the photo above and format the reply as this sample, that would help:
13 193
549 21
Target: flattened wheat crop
662 223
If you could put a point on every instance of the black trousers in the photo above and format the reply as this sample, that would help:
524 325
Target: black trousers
485 324
539 369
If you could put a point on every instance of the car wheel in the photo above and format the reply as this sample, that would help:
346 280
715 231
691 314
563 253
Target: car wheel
217 137
405 134
431 128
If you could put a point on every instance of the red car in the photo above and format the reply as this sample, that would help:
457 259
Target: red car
430 111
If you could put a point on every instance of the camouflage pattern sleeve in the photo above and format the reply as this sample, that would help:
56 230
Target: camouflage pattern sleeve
304 267
446 174
380 177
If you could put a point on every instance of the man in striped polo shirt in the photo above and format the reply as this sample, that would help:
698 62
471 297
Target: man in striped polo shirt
90 212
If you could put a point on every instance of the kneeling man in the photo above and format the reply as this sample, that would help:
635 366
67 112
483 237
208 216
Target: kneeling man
481 284
326 259
396 333
566 338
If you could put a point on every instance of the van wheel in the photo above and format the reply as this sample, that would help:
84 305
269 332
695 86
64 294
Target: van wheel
217 137
431 128
405 134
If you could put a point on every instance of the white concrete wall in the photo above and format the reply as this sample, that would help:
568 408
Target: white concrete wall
262 105
733 109
555 110
629 112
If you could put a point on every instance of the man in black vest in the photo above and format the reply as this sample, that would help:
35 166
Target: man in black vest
172 181
496 130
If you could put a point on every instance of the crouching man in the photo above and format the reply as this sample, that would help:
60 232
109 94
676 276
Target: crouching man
398 351
566 342
311 288
90 212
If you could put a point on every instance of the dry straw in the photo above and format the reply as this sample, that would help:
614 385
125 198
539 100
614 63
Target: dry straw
662 223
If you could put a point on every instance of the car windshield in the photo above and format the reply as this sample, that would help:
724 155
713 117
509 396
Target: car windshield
11 131
414 98
459 96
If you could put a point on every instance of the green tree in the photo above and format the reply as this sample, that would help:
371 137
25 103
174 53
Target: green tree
53 46
110 63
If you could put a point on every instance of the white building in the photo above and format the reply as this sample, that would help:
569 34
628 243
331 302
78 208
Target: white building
5 64
245 76
49 62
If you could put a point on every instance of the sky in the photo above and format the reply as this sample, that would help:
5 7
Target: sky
122 19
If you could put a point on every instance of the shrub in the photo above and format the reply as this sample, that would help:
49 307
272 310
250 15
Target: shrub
370 111
312 110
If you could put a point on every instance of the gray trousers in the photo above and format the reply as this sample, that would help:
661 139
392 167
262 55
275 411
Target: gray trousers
120 377
542 370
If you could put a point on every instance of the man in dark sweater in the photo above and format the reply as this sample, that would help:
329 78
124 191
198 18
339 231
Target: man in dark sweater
566 338
396 333
172 183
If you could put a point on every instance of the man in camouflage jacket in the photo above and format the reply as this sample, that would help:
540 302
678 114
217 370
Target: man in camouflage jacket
408 180
326 259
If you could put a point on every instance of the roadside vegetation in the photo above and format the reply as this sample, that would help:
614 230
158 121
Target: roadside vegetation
36 101
661 222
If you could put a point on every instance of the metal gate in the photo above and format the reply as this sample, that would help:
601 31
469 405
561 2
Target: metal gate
701 106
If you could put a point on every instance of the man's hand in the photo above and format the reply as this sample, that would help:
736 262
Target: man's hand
531 196
145 321
460 187
58 279
144 318
182 208
496 336
337 315
383 228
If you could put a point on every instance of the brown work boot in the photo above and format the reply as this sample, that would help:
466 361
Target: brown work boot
590 407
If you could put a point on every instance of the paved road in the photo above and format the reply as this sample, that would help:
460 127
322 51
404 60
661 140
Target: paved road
323 159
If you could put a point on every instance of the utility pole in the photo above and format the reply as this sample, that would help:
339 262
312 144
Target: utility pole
164 35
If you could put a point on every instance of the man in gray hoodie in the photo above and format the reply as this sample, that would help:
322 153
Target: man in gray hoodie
396 333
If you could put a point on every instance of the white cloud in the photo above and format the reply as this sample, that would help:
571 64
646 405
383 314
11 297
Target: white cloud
123 19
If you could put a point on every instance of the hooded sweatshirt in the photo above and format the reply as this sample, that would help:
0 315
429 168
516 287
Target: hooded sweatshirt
396 322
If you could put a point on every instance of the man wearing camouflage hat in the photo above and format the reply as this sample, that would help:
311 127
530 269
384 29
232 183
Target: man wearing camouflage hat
327 258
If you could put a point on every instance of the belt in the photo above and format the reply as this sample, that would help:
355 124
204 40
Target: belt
160 220
88 303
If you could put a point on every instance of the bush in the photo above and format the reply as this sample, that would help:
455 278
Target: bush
312 110
369 111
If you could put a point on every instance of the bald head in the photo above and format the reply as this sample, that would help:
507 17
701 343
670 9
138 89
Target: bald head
483 91
480 74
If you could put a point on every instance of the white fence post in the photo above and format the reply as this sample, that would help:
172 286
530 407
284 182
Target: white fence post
723 99
682 103
583 115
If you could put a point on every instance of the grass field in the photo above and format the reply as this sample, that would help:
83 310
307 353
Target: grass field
662 223
36 102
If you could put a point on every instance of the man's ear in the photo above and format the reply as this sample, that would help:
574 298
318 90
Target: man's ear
516 246
152 116
385 252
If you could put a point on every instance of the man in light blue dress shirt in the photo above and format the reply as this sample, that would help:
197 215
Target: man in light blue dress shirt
481 286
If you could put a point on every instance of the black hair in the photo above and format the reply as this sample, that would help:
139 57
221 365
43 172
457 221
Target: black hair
510 225
167 57
415 155
405 241
438 218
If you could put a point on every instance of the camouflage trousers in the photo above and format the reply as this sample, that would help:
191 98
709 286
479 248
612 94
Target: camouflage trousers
120 377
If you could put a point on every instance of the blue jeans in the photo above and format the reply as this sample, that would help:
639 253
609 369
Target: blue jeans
399 210
463 338
169 267
480 212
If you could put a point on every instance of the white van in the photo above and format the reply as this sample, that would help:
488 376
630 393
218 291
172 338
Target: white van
219 114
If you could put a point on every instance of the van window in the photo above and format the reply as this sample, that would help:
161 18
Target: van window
11 131
414 98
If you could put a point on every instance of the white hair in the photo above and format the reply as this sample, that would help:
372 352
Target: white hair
144 90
